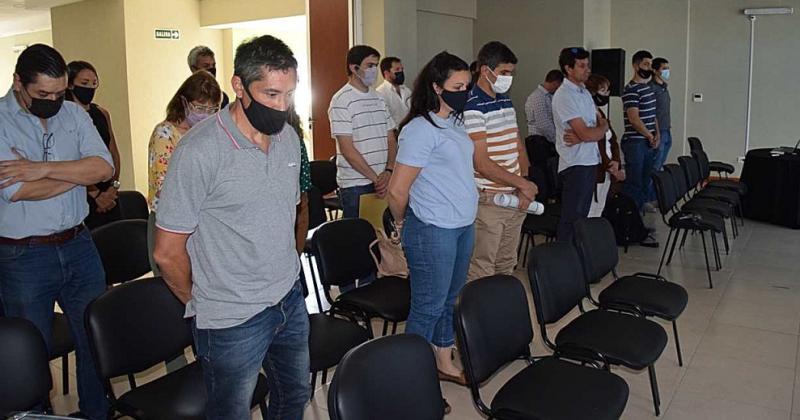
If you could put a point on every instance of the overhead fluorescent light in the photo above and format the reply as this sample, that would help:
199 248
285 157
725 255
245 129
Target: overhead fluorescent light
769 11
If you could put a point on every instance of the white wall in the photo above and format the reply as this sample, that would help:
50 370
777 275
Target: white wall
8 57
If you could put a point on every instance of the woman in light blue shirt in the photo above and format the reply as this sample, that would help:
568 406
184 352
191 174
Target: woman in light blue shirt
433 199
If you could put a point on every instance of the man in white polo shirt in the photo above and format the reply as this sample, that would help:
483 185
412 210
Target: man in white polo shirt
578 129
366 144
396 95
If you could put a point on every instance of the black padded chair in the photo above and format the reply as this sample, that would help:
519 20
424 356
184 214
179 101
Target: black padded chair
132 205
696 183
716 166
493 327
341 248
323 175
617 331
705 173
135 326
316 217
123 250
679 220
25 378
652 294
699 203
389 378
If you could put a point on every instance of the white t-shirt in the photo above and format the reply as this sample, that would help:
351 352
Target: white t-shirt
398 104
365 117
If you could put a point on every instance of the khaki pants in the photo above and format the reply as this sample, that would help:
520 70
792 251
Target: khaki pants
497 231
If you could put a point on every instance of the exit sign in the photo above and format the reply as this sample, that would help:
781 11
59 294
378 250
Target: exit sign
168 34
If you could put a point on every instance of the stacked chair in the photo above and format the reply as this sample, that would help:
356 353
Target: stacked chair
721 168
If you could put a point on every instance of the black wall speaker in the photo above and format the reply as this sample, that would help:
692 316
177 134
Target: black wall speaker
610 62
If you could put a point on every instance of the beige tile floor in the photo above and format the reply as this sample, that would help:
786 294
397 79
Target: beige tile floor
740 339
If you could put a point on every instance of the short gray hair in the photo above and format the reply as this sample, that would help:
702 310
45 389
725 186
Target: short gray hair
256 54
195 53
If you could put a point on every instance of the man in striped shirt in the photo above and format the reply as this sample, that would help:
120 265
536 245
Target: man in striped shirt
364 131
640 142
501 164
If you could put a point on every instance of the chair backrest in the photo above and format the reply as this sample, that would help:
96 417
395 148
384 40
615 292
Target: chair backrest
678 179
695 144
493 325
24 366
316 208
556 280
388 378
597 246
702 163
689 167
134 326
123 249
665 191
341 248
132 205
323 175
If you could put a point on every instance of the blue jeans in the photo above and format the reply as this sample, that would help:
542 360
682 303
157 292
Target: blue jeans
275 339
639 157
577 188
438 261
663 149
351 198
34 277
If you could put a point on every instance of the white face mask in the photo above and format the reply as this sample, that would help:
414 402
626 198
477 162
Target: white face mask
665 74
502 84
370 76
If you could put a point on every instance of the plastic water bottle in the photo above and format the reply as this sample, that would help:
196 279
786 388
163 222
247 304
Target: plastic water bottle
512 201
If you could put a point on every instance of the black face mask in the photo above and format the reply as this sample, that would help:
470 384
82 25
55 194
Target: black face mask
399 78
45 108
83 94
456 100
645 74
212 70
263 118
600 100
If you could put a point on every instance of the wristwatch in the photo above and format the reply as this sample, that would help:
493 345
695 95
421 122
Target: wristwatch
115 184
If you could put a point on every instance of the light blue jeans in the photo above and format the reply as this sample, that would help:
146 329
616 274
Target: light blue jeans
438 261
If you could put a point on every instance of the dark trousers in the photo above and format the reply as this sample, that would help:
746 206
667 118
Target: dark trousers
577 186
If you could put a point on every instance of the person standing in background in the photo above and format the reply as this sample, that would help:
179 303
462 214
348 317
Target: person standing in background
578 129
396 95
195 100
641 139
83 84
610 161
202 58
663 101
364 131
539 107
500 160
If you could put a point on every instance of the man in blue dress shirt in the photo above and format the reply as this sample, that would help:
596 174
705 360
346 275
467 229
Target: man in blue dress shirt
49 152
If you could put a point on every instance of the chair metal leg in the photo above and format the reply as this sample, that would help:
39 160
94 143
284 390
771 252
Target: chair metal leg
394 328
324 376
314 281
715 247
519 245
65 374
674 242
708 266
654 387
313 383
725 239
262 406
664 254
677 343
528 240
385 327
683 241
132 381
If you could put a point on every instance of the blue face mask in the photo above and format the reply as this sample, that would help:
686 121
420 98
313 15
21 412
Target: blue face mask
665 74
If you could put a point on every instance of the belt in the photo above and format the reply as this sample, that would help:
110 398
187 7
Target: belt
57 238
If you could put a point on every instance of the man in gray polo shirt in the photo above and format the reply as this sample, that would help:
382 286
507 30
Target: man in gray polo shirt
578 129
226 245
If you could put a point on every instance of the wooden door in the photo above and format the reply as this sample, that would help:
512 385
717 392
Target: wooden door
329 40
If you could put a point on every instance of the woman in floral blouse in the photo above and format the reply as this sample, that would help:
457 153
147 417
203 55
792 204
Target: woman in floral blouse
197 99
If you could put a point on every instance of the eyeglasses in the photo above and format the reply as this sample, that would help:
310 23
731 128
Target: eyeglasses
203 108
47 145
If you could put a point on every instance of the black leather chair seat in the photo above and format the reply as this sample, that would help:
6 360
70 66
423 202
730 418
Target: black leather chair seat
554 389
736 186
331 338
61 343
721 194
181 395
655 297
702 220
712 206
540 225
716 166
624 339
387 297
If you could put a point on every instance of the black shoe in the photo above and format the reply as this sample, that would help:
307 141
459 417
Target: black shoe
649 242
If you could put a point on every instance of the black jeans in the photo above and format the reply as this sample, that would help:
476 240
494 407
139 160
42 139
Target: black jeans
577 186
